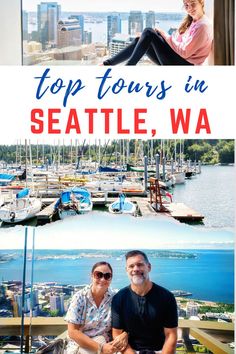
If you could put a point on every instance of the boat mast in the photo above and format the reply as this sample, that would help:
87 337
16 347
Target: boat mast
59 161
26 165
31 166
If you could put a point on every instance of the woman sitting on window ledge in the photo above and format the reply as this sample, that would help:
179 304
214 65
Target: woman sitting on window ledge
189 45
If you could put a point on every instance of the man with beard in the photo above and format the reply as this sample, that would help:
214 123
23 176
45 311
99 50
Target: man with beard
145 310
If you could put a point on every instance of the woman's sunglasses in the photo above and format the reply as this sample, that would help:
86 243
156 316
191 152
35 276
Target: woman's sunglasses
100 275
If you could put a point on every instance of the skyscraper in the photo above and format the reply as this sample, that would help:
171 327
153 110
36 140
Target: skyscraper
57 303
135 22
69 33
87 37
48 17
80 18
192 309
27 305
150 19
119 42
25 25
113 27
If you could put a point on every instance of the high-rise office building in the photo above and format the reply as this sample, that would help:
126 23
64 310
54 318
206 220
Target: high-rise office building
150 19
135 22
69 33
27 302
87 37
119 42
80 18
113 27
57 303
191 309
48 17
25 25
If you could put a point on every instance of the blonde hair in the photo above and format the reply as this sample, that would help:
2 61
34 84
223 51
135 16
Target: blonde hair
188 20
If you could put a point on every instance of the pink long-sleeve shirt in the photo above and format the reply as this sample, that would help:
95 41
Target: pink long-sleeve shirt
195 44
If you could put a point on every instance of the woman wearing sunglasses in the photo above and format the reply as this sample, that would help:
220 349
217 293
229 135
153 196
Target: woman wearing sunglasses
89 316
189 45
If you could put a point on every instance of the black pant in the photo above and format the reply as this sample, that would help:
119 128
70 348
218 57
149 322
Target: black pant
153 45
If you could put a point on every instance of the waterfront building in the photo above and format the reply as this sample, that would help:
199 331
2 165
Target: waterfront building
80 19
69 33
113 27
119 42
181 311
135 22
17 299
25 25
48 16
57 303
150 19
87 37
191 309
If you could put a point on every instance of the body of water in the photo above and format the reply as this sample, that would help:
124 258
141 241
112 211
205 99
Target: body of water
212 193
207 274
99 30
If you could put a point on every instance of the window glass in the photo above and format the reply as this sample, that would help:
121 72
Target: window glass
81 33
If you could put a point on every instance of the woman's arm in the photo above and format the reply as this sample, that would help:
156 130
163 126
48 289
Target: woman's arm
192 42
75 333
84 341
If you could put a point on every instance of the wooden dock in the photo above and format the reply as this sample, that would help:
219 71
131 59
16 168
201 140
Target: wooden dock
46 214
144 207
178 211
182 212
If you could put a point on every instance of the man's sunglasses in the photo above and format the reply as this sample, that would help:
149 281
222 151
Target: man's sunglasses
100 275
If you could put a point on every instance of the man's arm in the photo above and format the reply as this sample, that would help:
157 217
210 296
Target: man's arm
116 332
169 346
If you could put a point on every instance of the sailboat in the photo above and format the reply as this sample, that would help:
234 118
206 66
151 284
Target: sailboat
122 206
22 207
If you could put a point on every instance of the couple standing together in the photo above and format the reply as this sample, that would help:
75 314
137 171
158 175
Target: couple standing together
141 317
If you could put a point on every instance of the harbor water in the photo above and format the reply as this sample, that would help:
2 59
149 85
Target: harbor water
207 274
212 193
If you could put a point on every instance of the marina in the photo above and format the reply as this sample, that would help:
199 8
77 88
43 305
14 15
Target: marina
155 185
179 211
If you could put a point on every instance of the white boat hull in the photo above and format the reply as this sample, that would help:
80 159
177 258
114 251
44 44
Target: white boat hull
20 210
114 186
67 212
179 177
128 208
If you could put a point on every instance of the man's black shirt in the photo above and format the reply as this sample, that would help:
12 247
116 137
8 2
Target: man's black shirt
145 317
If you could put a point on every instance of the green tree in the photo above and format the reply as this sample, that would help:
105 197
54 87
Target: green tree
226 152
53 313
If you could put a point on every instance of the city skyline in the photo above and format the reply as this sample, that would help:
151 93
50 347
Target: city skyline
105 5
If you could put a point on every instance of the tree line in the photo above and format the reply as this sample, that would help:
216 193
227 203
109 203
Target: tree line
132 151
